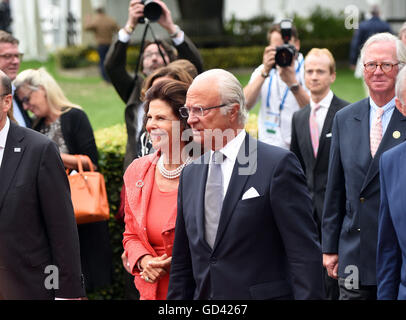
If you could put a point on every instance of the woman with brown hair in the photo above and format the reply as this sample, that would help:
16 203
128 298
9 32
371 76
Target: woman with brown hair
151 187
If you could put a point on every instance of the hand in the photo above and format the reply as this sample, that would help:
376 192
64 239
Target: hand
166 18
154 268
126 264
288 74
135 11
330 262
268 58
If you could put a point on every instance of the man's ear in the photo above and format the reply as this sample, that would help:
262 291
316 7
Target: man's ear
400 107
7 103
234 111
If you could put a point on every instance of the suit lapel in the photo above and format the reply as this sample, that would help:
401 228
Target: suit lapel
12 156
245 166
326 128
397 123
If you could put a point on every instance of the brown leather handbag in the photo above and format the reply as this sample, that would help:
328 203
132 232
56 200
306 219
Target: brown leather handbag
88 192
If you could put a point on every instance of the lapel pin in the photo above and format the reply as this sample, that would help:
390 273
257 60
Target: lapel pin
396 134
139 184
17 149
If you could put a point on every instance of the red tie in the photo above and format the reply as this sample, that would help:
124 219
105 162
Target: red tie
376 131
314 129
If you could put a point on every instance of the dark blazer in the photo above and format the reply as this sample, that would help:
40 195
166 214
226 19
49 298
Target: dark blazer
130 91
95 248
37 224
351 207
301 145
19 105
391 248
266 247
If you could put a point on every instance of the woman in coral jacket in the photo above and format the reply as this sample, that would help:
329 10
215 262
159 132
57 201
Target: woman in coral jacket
151 188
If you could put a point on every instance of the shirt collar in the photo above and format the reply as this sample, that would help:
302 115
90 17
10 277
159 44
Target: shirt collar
4 133
386 107
325 102
231 149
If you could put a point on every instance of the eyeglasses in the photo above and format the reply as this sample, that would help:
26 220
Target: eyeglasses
385 66
198 111
26 99
9 56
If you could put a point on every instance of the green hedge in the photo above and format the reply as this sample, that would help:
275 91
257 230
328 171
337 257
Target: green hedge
111 146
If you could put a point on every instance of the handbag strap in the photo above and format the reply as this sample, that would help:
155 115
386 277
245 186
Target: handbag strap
79 161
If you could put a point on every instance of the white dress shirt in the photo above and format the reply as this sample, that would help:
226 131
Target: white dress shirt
3 138
322 112
230 150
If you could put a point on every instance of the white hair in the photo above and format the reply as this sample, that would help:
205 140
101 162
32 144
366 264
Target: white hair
230 90
378 37
400 85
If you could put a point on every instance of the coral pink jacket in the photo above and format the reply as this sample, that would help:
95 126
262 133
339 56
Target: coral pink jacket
139 180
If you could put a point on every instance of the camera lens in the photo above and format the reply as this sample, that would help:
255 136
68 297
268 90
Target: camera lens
152 10
284 55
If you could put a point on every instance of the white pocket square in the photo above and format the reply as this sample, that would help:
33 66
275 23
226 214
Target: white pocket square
329 135
250 193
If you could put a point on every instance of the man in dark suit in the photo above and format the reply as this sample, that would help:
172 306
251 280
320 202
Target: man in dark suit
361 133
10 59
129 88
39 244
391 246
244 226
311 133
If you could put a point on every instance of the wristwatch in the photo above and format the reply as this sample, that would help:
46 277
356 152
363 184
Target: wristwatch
294 87
175 34
264 74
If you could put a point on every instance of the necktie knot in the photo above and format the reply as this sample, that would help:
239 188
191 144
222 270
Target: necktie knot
379 113
218 157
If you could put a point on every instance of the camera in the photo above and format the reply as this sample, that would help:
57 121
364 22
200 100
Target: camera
286 52
152 11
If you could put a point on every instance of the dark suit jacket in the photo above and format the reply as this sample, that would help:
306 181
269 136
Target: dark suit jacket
18 104
390 266
130 91
37 224
351 207
266 247
315 168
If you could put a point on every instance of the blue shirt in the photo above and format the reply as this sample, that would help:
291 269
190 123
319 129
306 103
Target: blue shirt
17 112
387 114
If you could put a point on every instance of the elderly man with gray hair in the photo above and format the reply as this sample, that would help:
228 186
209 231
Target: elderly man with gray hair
244 226
361 132
391 236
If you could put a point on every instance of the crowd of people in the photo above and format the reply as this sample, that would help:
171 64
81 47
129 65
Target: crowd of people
310 210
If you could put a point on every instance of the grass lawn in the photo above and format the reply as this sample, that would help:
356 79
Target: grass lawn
105 108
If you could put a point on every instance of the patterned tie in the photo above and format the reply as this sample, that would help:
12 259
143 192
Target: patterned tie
376 131
213 201
314 129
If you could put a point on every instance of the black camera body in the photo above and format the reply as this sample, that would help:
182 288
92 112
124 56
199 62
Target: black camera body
152 11
286 52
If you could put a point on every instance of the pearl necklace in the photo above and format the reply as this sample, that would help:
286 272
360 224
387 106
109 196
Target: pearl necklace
171 174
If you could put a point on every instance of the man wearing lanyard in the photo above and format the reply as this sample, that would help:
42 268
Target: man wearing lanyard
281 90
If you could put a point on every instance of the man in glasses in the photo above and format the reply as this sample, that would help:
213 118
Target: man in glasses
244 225
361 133
10 59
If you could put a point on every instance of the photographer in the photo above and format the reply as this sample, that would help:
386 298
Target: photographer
130 90
281 89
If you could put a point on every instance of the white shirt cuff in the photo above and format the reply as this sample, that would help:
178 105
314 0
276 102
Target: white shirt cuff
123 36
179 39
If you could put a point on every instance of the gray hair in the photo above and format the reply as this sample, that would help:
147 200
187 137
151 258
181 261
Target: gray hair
230 91
378 37
402 30
400 85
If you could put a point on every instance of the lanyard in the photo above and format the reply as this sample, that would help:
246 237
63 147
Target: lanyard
281 106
